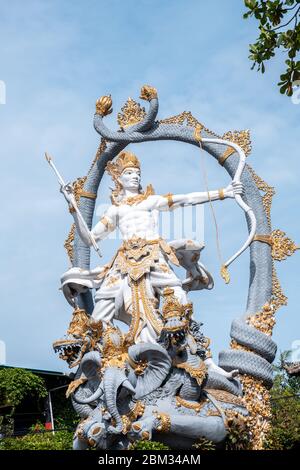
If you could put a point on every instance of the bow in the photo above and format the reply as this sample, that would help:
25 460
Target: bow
247 209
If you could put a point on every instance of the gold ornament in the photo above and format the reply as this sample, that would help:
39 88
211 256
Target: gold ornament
198 373
139 367
104 105
263 238
268 191
115 169
136 256
145 435
114 349
68 245
263 321
225 397
148 93
137 411
126 424
79 323
136 427
74 385
172 307
197 133
221 194
164 421
131 200
241 138
130 114
225 274
169 197
124 160
282 246
190 405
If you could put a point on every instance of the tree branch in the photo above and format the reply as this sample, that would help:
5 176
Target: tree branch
286 24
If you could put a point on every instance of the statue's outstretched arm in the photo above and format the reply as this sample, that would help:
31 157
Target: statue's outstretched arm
172 201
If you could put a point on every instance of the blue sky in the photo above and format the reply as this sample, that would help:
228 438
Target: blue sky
57 58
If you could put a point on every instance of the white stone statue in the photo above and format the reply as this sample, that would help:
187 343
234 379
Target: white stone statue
129 287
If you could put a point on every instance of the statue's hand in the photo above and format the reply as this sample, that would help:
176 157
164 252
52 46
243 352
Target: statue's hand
211 366
68 192
233 189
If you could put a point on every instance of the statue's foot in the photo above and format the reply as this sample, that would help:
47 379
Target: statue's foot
142 430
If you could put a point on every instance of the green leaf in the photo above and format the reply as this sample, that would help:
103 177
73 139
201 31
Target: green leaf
283 89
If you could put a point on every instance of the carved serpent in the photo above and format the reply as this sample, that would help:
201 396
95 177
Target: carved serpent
256 363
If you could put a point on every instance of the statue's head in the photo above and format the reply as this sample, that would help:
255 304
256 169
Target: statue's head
125 172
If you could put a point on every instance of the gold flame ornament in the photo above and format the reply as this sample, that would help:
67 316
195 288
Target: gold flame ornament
225 274
104 105
148 93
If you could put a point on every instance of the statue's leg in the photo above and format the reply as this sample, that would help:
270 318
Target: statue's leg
147 335
164 276
104 310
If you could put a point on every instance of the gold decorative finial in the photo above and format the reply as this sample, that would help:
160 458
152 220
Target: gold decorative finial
148 93
282 246
104 105
131 114
225 274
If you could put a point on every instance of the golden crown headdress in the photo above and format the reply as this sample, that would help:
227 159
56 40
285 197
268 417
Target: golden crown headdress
124 160
172 307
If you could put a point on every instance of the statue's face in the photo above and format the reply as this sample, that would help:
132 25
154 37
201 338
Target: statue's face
130 178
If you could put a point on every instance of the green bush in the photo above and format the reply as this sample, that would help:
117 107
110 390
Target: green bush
285 422
61 440
285 400
16 384
149 445
65 416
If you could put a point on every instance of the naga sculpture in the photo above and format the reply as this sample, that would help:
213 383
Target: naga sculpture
158 380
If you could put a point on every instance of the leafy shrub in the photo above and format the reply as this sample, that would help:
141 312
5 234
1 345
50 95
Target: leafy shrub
285 423
16 384
204 444
149 445
63 411
61 440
